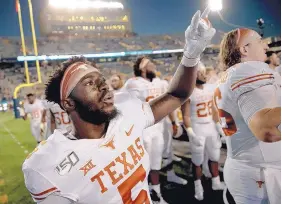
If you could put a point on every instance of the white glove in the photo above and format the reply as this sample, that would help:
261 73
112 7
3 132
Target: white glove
191 134
197 37
219 129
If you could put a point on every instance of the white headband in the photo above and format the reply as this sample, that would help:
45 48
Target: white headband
72 76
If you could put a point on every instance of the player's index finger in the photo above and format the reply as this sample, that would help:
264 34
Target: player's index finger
195 20
206 12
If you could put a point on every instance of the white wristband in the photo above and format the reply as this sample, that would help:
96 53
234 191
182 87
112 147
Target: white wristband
279 127
189 62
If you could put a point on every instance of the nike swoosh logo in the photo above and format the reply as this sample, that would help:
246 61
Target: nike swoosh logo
129 132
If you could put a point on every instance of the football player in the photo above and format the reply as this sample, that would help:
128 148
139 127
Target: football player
203 132
59 119
35 108
145 87
107 162
273 60
116 82
248 104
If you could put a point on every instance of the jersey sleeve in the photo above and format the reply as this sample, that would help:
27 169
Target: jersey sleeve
249 76
256 100
47 104
56 199
40 187
132 87
132 107
26 107
278 69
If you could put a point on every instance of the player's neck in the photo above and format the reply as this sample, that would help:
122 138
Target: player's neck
86 130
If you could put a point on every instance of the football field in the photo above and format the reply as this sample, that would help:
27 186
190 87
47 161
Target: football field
16 142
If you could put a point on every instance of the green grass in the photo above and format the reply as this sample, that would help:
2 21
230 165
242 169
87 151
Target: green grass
12 157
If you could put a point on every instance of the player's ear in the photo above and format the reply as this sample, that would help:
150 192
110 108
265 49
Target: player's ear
68 104
243 50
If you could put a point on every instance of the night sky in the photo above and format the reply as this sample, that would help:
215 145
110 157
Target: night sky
163 16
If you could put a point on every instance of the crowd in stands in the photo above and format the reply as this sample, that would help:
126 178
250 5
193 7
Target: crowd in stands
12 47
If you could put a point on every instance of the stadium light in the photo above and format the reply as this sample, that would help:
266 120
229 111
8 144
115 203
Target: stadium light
84 4
215 5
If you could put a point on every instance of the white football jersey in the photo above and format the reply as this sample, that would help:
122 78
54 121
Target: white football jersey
146 91
35 110
62 119
110 170
143 89
201 104
278 69
239 79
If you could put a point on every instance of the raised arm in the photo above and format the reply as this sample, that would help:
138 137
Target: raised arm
197 37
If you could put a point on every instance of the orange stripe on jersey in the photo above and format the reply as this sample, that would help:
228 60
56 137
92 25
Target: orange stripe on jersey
247 82
44 192
259 75
43 197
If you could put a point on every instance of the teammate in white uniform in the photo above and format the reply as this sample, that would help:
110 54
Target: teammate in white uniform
203 134
273 60
249 107
107 162
34 107
46 118
116 82
171 127
59 119
145 87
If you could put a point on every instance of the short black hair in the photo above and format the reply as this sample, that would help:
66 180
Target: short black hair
136 66
29 95
52 89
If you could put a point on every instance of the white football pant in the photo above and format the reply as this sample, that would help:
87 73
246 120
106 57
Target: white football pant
167 135
210 141
245 183
154 144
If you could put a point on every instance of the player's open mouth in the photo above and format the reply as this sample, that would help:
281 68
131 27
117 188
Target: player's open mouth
109 97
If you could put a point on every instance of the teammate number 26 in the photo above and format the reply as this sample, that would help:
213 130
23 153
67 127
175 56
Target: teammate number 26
228 124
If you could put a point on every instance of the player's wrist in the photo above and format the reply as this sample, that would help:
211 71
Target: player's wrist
173 123
189 62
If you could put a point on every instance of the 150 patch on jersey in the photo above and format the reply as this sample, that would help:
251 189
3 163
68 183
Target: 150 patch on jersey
66 165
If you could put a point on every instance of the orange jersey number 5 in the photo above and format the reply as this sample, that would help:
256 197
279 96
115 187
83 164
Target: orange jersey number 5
125 188
228 124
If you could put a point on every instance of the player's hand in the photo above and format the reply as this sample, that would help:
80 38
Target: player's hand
193 137
219 129
197 37
174 129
